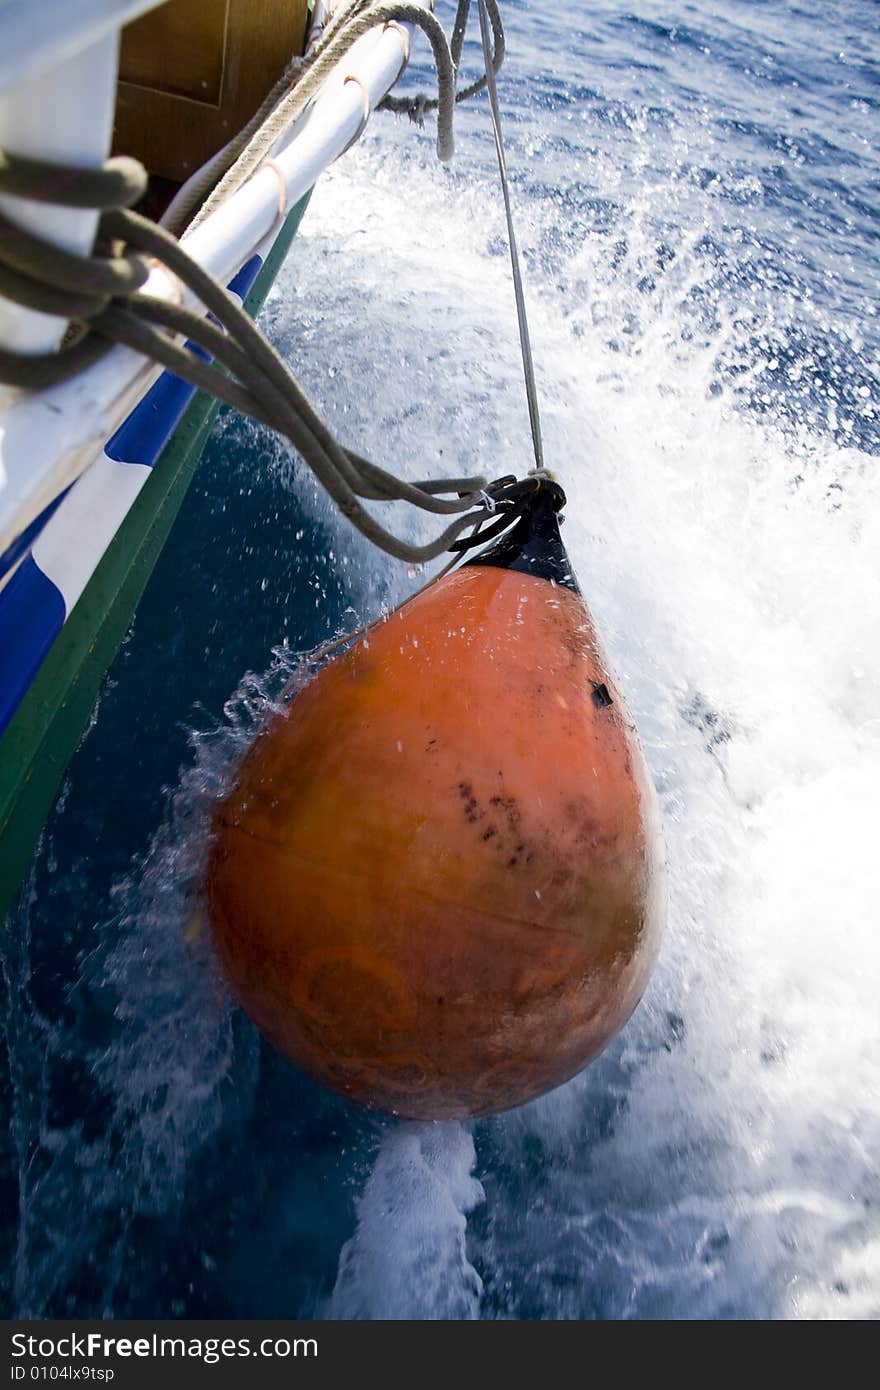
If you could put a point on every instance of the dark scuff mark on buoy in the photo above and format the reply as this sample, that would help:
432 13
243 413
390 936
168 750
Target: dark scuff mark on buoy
472 809
601 695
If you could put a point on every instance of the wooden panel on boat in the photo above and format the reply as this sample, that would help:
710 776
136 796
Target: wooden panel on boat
192 72
178 48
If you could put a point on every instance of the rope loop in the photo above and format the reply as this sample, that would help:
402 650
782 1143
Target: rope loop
102 294
119 182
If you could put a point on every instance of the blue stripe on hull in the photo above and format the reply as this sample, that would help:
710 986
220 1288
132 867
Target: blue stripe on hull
31 616
142 437
32 610
22 544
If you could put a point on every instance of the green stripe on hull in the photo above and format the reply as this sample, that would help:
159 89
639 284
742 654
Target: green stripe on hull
47 727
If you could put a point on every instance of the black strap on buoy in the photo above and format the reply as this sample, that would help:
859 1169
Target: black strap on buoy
534 544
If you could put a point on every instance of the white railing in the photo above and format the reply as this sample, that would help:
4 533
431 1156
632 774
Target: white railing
47 439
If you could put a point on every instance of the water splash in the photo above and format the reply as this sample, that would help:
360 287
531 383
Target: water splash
407 1258
149 1055
702 304
718 1161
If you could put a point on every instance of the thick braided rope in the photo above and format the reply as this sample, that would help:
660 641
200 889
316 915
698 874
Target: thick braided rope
338 39
103 291
259 382
415 107
302 80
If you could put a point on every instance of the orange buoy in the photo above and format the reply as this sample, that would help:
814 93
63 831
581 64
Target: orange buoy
437 882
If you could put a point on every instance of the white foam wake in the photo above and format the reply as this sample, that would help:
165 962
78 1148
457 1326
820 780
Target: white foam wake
407 1258
720 1157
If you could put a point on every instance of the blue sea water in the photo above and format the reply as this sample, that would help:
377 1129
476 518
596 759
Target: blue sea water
697 189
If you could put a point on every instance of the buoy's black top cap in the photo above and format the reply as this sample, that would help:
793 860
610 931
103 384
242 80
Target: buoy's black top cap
534 545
